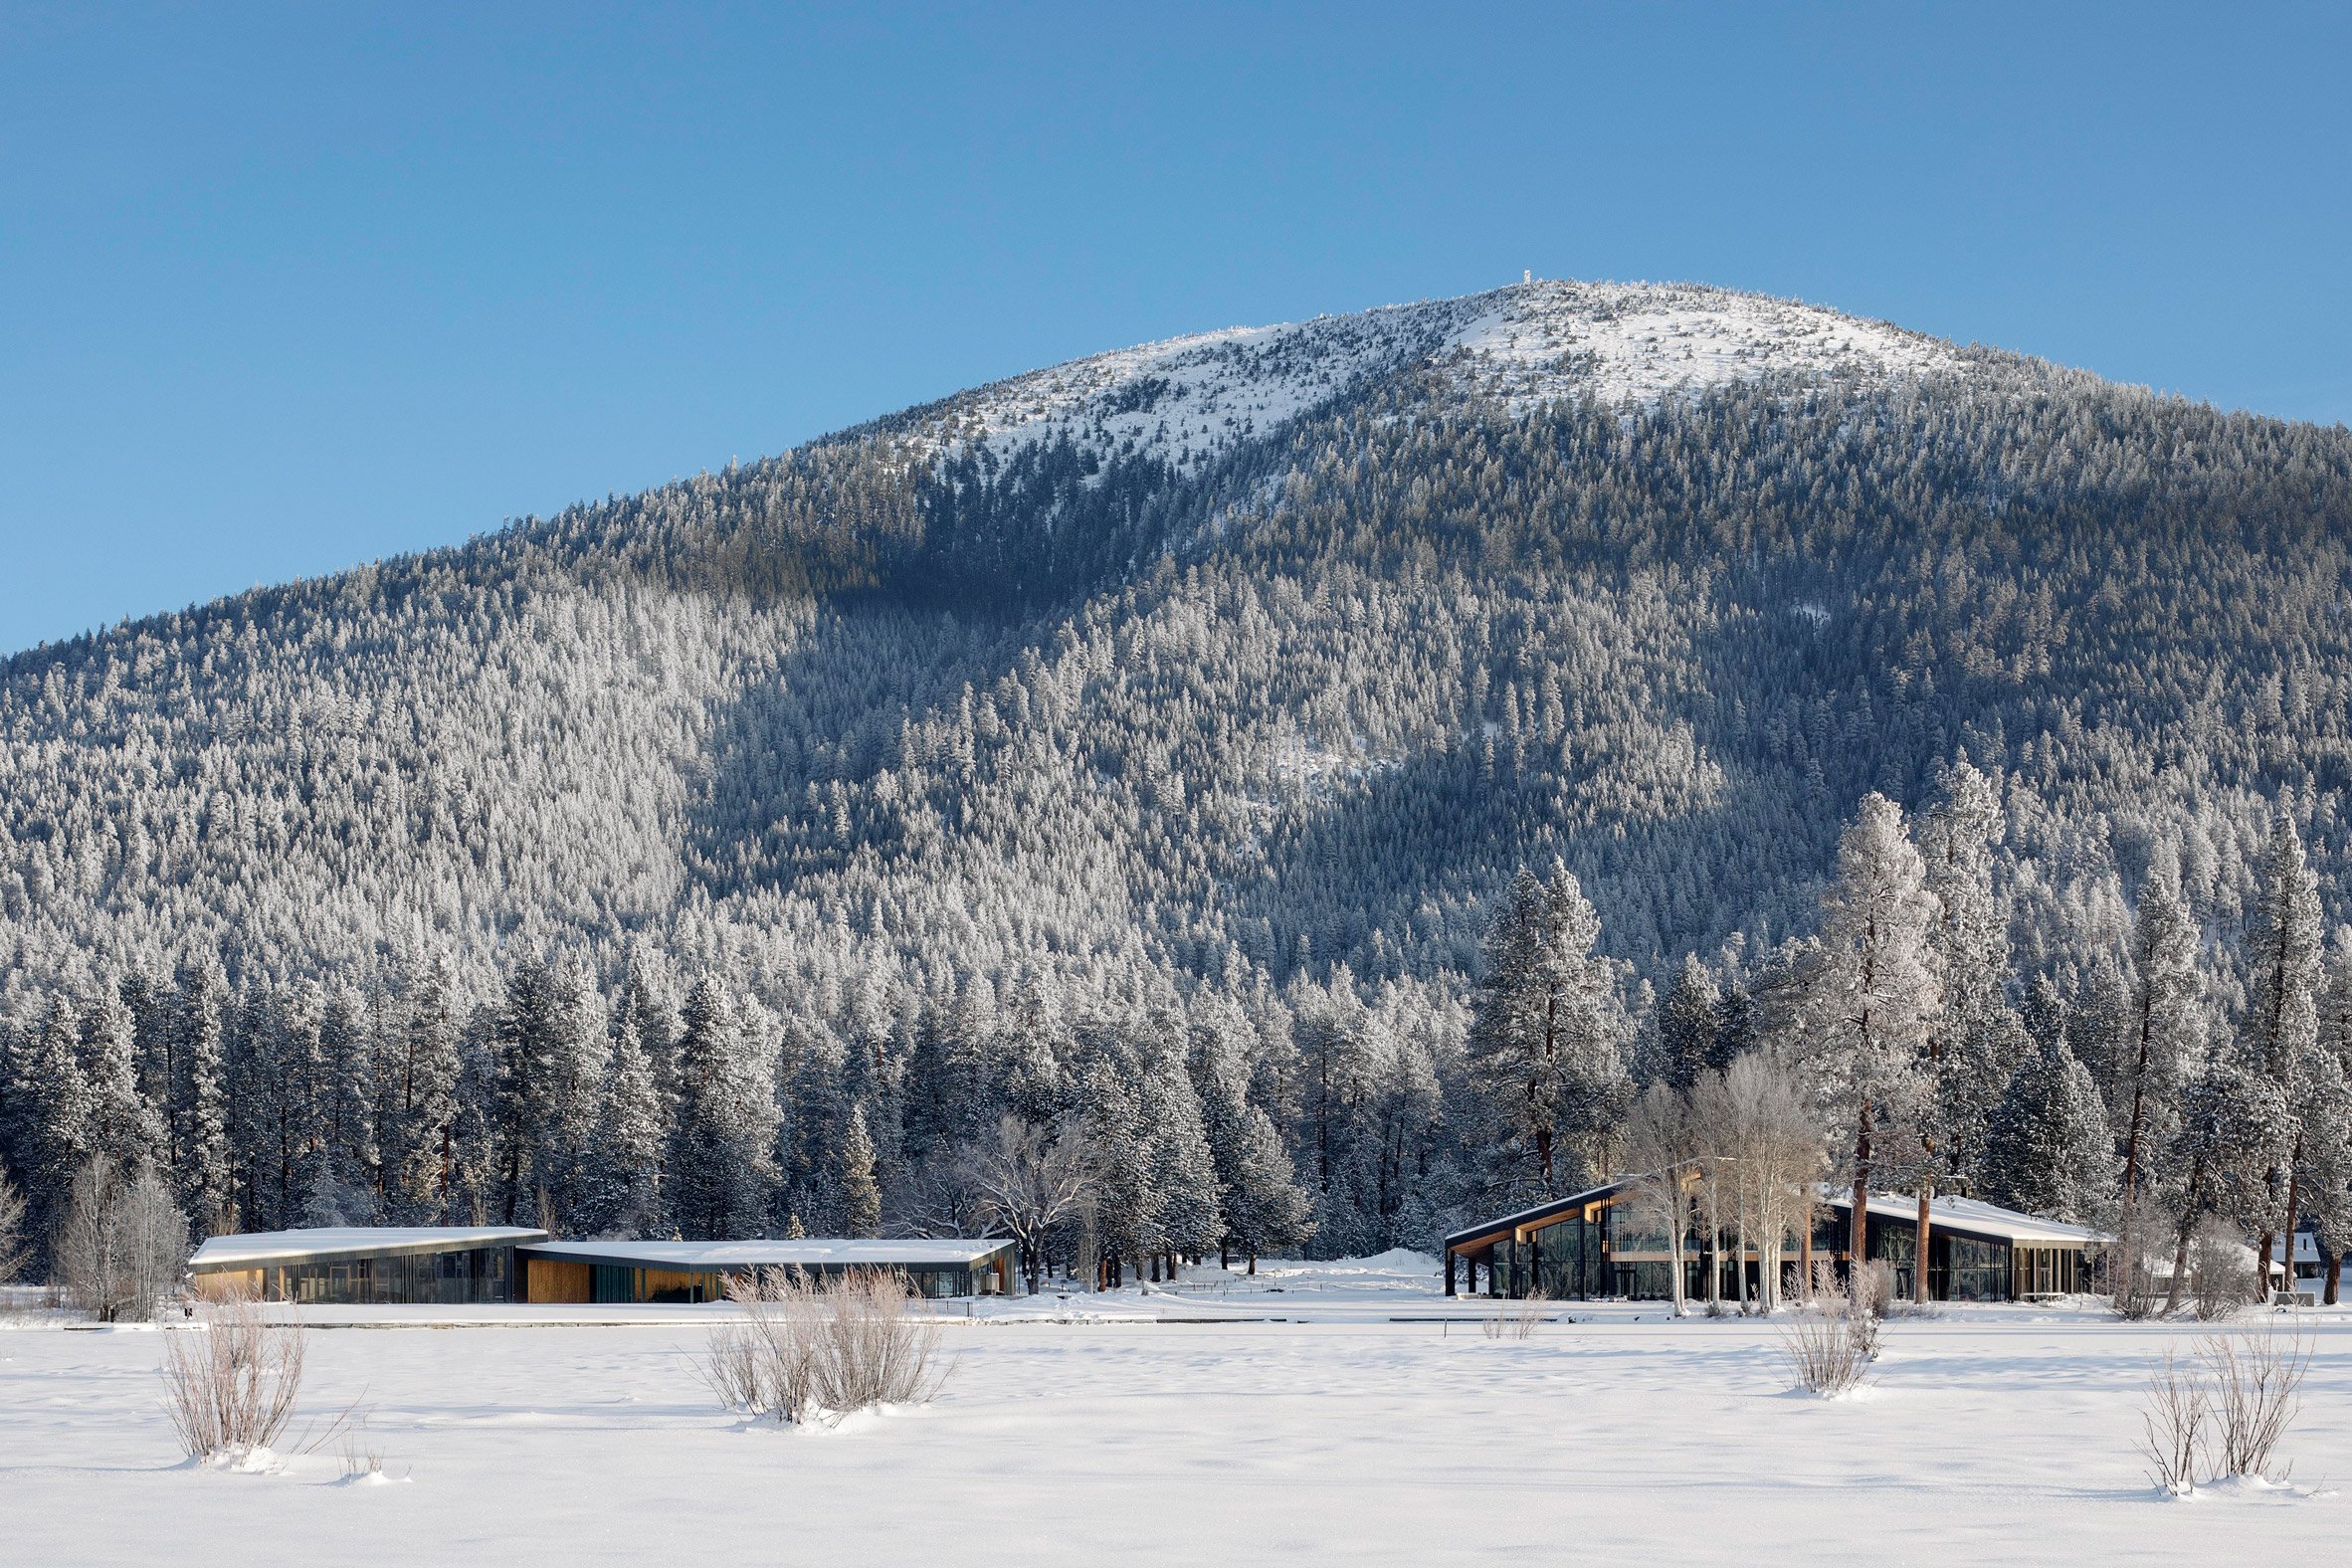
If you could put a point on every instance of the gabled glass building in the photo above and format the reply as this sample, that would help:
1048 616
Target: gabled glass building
1597 1245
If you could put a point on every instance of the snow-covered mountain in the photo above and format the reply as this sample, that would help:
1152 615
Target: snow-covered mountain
1190 399
1231 660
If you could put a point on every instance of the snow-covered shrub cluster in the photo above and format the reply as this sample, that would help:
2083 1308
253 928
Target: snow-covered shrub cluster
816 1349
2222 1413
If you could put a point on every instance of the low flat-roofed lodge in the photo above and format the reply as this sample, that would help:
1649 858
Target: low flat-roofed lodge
1601 1245
452 1266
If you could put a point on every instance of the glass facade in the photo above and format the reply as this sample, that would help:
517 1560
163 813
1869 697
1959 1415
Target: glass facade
469 1277
1604 1249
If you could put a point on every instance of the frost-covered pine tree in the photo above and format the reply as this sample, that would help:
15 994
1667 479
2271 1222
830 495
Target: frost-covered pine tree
2050 1150
1547 1047
1872 991
861 1193
1185 1169
2161 1043
1689 1024
125 1125
723 1147
2282 1028
1977 1037
624 1190
208 1180
423 1153
344 1192
1263 1207
2231 1140
49 1106
1129 1200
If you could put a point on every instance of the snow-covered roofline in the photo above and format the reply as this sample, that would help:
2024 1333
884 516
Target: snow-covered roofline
805 1253
274 1247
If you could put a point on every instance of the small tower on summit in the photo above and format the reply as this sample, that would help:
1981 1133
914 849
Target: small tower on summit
1527 276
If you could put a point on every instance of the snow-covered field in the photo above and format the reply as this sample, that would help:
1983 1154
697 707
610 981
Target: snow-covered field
1357 1431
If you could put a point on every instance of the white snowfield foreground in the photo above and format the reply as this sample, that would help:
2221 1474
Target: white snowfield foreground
1378 1425
1189 399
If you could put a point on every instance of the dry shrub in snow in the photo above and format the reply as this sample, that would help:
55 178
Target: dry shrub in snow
230 1387
809 1350
1515 1319
2172 1424
2257 1380
1833 1341
2226 1410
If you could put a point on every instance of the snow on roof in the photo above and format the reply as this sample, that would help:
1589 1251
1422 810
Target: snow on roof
260 1247
1188 399
1959 1214
807 1253
1971 1213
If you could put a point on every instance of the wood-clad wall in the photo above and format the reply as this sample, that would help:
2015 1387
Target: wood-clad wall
553 1280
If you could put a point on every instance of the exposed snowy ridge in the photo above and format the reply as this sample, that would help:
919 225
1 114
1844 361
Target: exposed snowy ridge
1188 399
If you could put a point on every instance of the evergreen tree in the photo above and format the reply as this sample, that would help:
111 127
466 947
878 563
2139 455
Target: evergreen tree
2050 1149
1259 1195
860 1195
1548 1044
51 1108
2231 1140
424 1155
1689 1024
2281 1031
1191 1221
1872 992
721 1157
2162 1040
123 1123
623 1194
208 1180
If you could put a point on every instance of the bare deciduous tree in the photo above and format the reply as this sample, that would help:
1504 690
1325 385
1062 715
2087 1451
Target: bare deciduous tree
1029 1181
13 1251
124 1242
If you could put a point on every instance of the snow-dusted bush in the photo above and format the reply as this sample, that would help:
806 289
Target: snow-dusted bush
2226 1410
122 1244
2221 1277
2257 1378
230 1386
1515 1319
2172 1424
809 1350
1833 1339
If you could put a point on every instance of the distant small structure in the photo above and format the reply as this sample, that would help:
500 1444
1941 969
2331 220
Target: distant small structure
1528 275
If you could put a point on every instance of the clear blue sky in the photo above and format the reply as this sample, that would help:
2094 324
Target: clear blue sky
286 289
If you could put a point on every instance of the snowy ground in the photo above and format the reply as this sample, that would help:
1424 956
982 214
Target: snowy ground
1357 1431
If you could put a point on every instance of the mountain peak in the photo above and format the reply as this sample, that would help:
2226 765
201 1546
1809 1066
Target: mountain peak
1186 400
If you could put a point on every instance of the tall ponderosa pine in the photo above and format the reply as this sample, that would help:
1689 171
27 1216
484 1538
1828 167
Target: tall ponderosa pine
208 1180
1548 1044
424 1152
2161 1042
1872 991
623 1194
1974 1039
2283 1007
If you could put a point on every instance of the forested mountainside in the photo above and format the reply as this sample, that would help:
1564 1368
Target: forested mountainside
1226 683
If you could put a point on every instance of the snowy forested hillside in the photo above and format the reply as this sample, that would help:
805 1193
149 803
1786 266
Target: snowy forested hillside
1208 692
